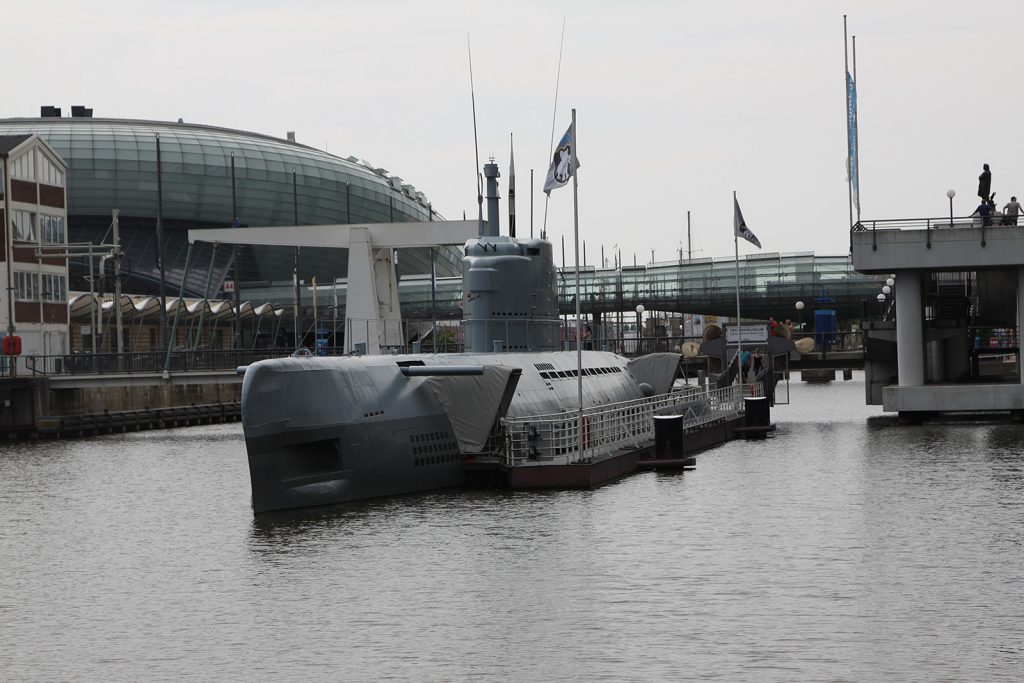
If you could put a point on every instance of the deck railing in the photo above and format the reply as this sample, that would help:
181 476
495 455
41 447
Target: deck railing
555 438
140 363
929 224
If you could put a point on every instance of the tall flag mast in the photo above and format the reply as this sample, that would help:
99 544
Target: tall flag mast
564 163
852 165
856 137
740 229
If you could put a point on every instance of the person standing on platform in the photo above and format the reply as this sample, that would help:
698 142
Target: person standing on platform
588 334
1010 211
984 183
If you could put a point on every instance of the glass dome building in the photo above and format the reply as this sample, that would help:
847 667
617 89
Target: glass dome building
112 164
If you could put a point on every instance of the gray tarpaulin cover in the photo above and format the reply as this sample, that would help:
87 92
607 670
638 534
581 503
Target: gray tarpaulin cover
472 403
656 369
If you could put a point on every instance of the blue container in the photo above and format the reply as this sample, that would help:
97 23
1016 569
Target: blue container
825 329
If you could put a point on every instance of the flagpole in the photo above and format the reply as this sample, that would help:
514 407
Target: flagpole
739 327
856 129
576 239
846 90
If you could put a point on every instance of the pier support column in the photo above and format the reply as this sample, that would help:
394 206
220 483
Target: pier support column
909 329
1020 320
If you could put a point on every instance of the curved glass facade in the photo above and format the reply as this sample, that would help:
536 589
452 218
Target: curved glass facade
112 163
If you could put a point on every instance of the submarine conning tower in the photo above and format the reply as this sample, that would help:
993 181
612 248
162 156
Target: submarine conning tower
509 301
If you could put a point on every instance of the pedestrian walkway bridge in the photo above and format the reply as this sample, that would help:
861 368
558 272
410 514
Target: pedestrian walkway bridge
770 285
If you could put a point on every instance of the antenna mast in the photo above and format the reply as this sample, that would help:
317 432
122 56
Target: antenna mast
476 146
689 239
551 144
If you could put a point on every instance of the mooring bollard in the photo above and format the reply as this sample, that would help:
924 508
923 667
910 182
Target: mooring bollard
668 436
758 412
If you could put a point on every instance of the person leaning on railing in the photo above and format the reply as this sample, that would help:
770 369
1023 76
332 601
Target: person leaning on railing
1010 211
984 212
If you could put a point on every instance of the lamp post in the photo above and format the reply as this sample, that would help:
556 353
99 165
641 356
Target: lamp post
639 327
881 305
949 193
800 313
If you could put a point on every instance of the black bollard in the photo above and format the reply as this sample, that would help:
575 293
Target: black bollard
758 412
668 436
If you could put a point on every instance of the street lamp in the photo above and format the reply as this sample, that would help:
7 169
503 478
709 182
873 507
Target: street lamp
639 327
890 281
950 193
886 289
800 312
881 304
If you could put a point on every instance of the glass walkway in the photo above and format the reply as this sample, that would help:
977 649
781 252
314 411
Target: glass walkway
770 285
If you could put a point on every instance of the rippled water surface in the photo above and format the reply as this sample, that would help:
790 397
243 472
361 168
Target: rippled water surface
845 547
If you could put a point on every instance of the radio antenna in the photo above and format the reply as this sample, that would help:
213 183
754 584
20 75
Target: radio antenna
554 113
476 147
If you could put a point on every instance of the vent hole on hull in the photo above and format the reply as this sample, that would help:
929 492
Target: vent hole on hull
313 457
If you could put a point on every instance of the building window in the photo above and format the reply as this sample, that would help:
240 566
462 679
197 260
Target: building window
52 228
54 288
26 286
49 172
24 225
24 167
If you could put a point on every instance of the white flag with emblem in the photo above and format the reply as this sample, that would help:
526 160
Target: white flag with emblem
564 162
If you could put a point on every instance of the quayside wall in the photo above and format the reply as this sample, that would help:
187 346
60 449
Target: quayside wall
34 407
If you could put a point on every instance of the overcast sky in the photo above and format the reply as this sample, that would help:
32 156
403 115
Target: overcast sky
679 103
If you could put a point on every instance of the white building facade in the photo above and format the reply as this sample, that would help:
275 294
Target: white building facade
33 220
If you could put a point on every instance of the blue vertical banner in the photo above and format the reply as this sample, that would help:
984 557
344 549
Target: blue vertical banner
851 129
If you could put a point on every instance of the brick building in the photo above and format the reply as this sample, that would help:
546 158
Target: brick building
33 215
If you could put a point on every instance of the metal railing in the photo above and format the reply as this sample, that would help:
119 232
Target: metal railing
145 362
929 224
555 438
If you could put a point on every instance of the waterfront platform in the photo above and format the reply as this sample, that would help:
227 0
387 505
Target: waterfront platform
60 406
883 247
658 432
954 398
948 343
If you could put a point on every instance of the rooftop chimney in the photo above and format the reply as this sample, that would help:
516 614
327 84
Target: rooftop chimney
47 112
291 136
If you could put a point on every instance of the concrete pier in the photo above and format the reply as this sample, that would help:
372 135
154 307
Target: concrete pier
958 317
80 405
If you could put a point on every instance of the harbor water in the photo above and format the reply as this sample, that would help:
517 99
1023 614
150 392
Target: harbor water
844 548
